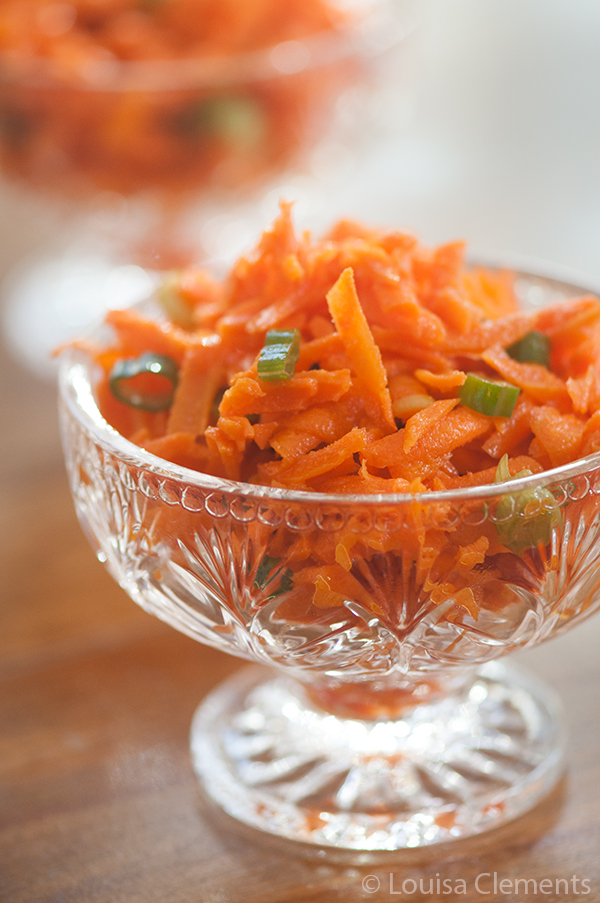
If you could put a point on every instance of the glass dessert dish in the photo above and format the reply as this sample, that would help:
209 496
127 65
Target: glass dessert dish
385 721
160 162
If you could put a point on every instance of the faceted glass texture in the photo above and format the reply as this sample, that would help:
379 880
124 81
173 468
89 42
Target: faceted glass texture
383 724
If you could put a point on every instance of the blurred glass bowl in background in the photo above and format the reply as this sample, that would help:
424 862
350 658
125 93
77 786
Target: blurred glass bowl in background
158 162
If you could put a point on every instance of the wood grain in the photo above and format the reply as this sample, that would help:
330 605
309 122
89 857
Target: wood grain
98 802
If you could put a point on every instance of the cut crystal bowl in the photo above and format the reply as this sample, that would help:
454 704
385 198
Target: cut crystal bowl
385 719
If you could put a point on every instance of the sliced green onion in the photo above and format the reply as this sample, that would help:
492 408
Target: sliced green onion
489 397
263 571
266 573
147 382
285 584
236 119
526 519
533 348
169 298
279 355
503 471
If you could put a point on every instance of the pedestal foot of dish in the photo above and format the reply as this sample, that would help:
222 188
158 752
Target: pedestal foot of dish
460 765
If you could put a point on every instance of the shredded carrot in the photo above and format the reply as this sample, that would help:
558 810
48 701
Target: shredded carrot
369 374
181 448
385 347
584 390
388 332
441 382
536 380
315 463
510 432
200 376
421 422
561 435
137 334
424 458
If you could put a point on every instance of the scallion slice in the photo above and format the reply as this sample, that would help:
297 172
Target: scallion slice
279 355
267 572
147 382
533 348
237 120
526 519
489 397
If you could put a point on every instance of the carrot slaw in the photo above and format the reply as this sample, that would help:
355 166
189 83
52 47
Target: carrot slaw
389 334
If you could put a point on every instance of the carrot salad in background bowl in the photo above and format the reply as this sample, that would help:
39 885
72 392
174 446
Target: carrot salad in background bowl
148 134
172 96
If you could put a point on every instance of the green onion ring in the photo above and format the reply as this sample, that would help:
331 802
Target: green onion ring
279 355
489 397
126 369
533 348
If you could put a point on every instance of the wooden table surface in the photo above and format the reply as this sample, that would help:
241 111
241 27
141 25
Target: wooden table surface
98 802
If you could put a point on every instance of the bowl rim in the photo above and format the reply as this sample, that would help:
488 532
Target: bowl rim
75 380
362 38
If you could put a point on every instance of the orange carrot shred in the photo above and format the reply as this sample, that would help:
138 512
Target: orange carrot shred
442 382
316 463
369 374
540 383
388 332
423 420
561 435
200 376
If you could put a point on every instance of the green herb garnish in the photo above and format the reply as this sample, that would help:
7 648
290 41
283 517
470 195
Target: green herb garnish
489 397
533 348
525 519
147 382
235 119
279 355
285 584
169 298
264 570
267 571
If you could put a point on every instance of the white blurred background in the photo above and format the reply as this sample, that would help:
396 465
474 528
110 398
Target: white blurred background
502 147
